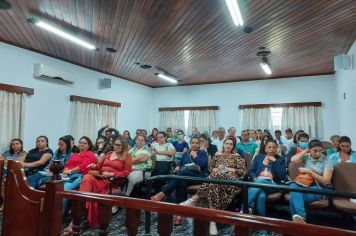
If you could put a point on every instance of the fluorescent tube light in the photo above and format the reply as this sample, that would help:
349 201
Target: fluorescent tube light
62 34
266 68
168 78
234 12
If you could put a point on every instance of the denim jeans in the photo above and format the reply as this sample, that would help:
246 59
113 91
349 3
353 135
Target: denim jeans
72 184
298 199
36 180
258 196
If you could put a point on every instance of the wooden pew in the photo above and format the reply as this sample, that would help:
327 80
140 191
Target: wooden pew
31 212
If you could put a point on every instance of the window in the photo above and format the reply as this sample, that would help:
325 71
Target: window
186 120
276 118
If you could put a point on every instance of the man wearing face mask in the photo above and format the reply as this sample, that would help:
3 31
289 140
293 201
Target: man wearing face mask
181 146
302 144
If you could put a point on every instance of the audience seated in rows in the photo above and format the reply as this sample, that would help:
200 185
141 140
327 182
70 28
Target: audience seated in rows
227 162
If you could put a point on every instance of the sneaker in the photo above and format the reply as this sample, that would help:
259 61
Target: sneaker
212 228
250 211
189 202
298 219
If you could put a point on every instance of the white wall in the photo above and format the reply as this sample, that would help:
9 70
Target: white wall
48 110
346 108
230 95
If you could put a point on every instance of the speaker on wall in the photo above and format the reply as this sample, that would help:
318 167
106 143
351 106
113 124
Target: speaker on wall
104 83
343 62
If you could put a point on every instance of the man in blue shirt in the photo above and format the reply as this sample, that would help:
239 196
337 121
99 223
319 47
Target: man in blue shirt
246 145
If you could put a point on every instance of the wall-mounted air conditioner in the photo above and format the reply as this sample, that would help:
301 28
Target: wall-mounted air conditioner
52 74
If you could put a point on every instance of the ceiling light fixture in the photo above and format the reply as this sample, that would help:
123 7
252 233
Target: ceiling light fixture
167 77
234 12
266 67
61 33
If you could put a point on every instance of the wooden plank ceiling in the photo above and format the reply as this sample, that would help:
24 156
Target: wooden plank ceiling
195 40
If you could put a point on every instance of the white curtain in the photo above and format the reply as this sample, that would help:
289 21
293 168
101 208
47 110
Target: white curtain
204 120
306 118
88 118
256 118
11 118
173 119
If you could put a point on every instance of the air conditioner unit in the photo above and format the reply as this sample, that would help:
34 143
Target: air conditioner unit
52 74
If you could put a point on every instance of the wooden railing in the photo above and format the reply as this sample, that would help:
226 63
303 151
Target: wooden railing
30 212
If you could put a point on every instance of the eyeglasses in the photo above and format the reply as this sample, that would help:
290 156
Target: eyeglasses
117 145
345 146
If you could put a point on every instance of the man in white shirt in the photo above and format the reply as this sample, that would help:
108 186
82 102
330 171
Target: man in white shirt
288 139
221 137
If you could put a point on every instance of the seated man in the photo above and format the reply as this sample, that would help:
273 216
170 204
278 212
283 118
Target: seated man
246 145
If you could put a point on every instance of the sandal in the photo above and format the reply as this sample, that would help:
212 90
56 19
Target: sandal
68 230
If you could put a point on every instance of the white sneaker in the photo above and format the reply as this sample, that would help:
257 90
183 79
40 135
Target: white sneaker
212 228
189 202
298 219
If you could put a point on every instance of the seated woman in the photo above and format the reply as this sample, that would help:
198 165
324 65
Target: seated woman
63 153
141 160
116 163
180 146
344 152
126 135
101 148
36 160
15 151
335 142
152 138
205 143
302 140
319 168
77 166
164 154
194 163
268 168
225 165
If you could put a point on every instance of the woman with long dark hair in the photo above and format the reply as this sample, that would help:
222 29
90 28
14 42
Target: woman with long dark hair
36 160
15 151
344 152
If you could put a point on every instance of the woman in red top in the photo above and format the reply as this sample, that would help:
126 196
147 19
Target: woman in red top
116 163
77 166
